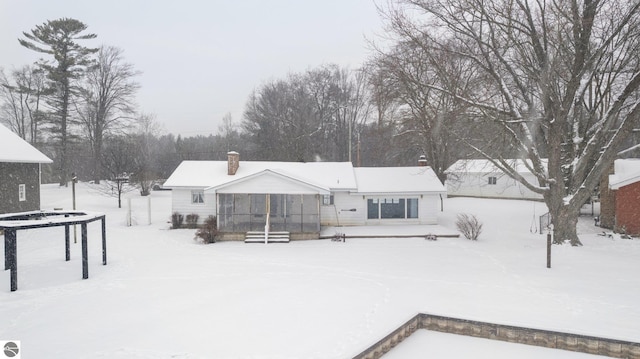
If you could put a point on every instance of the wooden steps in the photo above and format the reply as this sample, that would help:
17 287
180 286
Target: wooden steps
274 237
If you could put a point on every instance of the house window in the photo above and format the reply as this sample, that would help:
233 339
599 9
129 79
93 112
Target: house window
327 200
493 180
197 197
392 208
373 209
22 192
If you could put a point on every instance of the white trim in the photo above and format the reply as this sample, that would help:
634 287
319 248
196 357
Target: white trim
22 192
313 188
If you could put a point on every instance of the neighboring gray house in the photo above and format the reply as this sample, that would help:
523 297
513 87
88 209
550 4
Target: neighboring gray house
298 198
19 173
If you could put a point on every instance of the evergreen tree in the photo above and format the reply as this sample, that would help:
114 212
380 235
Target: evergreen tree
58 38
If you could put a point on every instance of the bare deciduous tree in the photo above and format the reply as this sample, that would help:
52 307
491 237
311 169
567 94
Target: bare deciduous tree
560 78
107 100
145 150
430 121
310 115
22 95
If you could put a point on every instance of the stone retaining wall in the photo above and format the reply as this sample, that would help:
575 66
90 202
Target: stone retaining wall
543 338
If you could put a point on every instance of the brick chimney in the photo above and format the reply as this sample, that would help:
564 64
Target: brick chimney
233 162
422 162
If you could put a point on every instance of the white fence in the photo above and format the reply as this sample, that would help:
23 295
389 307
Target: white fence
138 211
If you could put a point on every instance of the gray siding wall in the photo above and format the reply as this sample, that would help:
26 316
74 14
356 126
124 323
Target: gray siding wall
12 175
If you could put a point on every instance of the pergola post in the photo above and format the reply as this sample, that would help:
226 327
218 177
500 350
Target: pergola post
11 224
6 251
11 256
85 256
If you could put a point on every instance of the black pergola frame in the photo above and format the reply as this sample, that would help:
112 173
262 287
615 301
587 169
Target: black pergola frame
13 222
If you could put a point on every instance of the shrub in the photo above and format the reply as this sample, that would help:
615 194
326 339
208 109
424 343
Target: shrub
176 220
192 220
208 231
469 226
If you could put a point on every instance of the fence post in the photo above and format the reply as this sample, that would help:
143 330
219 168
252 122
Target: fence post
549 250
129 212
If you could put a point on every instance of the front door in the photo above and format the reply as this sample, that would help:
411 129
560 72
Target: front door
277 212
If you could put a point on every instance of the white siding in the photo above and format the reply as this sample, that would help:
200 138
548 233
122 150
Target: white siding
428 208
341 214
181 203
477 185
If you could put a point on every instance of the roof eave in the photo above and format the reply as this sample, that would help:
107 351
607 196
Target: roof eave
403 193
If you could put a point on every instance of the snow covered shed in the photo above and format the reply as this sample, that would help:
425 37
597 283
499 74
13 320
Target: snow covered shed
620 201
481 178
19 173
300 197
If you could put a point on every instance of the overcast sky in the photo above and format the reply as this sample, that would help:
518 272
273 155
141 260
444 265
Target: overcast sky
202 59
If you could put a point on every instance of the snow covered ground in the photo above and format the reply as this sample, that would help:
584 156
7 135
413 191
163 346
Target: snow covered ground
163 295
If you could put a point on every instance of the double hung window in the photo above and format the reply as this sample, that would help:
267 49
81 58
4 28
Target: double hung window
197 197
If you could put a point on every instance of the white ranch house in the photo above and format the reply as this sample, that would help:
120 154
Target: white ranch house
481 178
297 198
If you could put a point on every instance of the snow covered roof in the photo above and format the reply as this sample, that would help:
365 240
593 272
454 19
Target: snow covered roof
372 180
335 176
626 172
320 176
485 166
15 149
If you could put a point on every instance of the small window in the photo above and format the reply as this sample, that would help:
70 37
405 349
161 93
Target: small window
327 200
493 180
197 197
22 192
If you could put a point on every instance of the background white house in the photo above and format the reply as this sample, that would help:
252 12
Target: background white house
299 198
481 178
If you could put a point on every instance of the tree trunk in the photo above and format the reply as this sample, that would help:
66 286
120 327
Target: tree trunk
97 156
64 113
565 220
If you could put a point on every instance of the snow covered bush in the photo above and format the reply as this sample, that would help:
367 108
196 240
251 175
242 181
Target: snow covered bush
469 226
192 220
176 220
208 231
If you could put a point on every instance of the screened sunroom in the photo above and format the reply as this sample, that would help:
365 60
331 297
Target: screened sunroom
245 212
